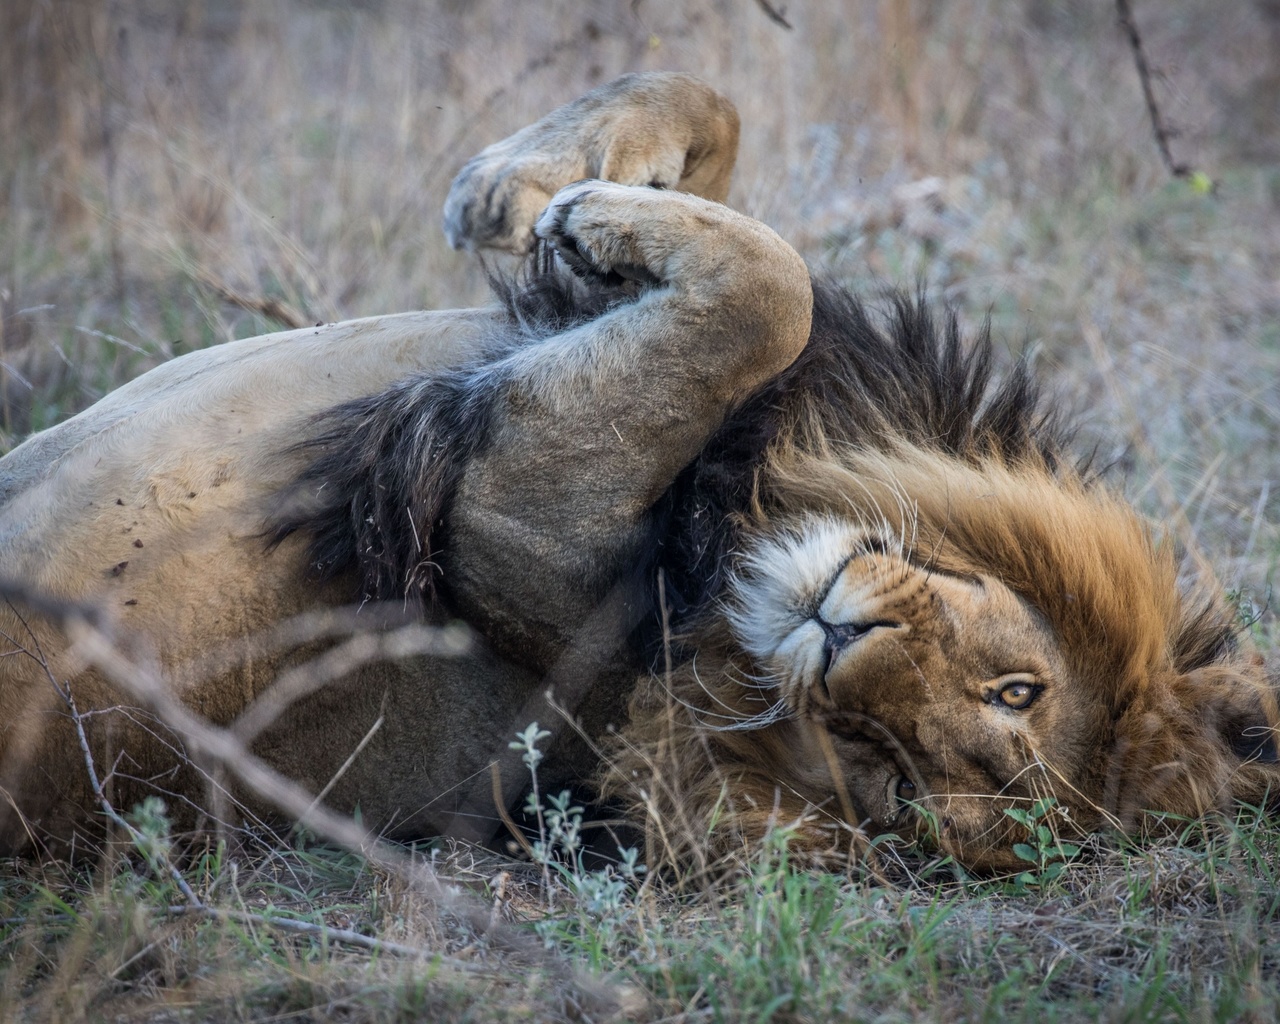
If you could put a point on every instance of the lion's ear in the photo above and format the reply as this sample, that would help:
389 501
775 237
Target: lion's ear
1195 742
1238 708
1251 725
1248 729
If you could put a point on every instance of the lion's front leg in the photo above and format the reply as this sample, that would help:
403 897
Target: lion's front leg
661 129
590 427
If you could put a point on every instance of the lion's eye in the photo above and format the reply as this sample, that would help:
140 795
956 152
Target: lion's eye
1018 695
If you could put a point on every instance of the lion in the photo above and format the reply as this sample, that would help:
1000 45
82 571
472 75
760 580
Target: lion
761 559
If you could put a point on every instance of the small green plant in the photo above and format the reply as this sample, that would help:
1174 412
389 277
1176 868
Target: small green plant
150 820
1251 610
1048 854
600 896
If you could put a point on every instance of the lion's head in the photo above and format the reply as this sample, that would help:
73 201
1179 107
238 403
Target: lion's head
973 637
912 636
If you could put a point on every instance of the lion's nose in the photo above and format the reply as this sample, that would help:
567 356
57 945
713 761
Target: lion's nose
837 636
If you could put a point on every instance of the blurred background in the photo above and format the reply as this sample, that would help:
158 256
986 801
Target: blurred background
176 173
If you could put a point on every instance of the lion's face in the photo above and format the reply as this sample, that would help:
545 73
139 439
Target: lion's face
947 697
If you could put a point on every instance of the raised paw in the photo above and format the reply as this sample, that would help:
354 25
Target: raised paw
496 198
656 128
616 232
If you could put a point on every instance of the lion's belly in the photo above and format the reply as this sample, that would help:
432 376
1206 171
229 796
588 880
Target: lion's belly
150 506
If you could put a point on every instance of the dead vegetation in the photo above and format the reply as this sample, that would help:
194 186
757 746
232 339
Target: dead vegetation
180 174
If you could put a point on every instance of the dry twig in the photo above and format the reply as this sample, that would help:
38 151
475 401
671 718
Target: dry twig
95 781
91 644
329 934
1161 131
339 661
775 14
264 305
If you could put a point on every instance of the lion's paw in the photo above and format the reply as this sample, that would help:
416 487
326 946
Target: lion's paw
495 200
610 232
658 128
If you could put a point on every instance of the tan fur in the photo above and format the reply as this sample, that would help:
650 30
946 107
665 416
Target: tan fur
668 130
153 503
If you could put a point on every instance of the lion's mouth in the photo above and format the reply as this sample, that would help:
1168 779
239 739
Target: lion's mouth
896 793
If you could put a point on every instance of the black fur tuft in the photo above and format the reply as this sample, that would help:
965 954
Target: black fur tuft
543 302
383 470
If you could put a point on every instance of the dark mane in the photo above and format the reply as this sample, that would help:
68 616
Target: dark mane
384 469
863 380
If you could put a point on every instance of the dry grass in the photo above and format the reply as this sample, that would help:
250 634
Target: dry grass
162 157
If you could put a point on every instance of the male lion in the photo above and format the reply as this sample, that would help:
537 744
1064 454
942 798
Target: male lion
863 582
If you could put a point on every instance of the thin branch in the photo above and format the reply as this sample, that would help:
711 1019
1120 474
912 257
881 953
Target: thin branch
777 15
221 746
329 934
351 759
1162 133
495 776
15 593
264 305
99 794
90 644
342 623
340 660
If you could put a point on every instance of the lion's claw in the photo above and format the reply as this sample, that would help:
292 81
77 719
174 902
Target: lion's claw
604 231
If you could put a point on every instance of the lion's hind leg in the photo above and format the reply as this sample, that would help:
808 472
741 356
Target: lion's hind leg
660 129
